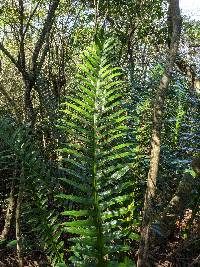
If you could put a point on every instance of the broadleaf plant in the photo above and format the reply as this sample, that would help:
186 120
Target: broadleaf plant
98 186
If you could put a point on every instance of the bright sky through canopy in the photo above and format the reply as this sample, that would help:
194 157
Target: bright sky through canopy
191 8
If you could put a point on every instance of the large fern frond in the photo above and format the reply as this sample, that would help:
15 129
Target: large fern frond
95 161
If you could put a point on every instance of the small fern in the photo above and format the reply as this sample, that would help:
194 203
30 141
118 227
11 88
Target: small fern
95 162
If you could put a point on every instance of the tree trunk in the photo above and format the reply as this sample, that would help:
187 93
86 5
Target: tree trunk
167 223
18 223
28 105
174 10
9 214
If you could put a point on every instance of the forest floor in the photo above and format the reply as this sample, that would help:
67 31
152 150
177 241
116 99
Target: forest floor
176 252
179 253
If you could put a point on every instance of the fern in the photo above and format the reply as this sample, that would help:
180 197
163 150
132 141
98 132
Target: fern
95 162
36 218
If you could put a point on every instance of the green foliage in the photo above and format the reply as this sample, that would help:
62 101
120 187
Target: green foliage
20 150
44 223
12 244
96 216
96 160
61 265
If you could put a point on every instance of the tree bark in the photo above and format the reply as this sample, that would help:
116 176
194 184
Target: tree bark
18 224
29 109
167 220
148 213
167 223
9 214
190 72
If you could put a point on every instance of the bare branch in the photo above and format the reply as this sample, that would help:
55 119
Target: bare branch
21 35
31 16
46 29
190 72
10 56
43 56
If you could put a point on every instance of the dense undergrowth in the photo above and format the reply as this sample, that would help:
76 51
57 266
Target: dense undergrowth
74 161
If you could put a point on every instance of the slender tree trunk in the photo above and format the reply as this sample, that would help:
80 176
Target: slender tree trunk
28 105
143 253
176 207
17 221
9 214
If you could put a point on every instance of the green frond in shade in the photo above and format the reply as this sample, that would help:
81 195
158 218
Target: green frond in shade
83 187
76 199
79 223
96 161
78 213
85 104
